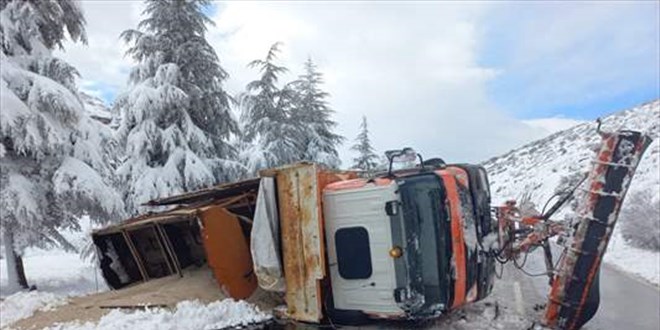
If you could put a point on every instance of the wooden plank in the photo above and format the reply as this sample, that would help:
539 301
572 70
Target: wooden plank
163 251
136 256
146 306
176 267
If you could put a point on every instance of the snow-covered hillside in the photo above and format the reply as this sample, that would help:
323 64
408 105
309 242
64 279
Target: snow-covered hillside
538 167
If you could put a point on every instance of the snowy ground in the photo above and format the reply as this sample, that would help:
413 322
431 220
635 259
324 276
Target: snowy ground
639 262
23 304
59 275
56 274
188 315
59 272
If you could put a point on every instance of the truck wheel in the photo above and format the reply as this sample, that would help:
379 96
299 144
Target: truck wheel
344 317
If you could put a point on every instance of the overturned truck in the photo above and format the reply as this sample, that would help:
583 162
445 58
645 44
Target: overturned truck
402 244
383 247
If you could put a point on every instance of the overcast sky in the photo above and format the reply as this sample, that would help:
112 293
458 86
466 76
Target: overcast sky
459 81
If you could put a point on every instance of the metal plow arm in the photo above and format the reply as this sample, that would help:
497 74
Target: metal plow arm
574 296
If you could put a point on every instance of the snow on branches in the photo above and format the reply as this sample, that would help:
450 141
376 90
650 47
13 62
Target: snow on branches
367 160
176 118
289 123
54 160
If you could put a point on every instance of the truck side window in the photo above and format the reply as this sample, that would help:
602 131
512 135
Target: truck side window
353 253
483 177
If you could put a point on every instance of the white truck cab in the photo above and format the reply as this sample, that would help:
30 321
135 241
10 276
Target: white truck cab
359 239
389 245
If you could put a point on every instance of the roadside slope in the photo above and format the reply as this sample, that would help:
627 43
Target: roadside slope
539 167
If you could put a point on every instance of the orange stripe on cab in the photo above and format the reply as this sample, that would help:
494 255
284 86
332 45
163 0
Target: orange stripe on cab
458 241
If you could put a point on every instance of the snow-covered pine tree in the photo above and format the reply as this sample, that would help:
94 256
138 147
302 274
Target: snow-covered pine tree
312 115
176 118
53 156
366 160
270 139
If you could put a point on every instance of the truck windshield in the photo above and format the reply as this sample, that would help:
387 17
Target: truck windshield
427 240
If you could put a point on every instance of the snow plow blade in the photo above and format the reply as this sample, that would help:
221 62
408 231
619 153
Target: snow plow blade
574 297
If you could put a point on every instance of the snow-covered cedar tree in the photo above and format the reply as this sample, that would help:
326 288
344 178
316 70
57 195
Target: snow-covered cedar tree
97 109
640 220
269 136
566 184
367 160
311 114
54 159
175 115
382 163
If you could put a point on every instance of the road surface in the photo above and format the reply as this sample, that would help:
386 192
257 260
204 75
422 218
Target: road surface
626 301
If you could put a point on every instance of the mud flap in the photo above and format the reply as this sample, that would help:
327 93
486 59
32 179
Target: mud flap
574 297
228 252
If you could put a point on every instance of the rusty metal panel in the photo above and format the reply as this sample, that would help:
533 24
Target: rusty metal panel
228 252
302 240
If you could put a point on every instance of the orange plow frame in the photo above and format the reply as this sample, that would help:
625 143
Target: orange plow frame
574 297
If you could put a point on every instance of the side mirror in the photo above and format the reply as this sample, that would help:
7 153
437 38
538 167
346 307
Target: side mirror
400 156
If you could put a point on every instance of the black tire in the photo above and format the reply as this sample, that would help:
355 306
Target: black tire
344 317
